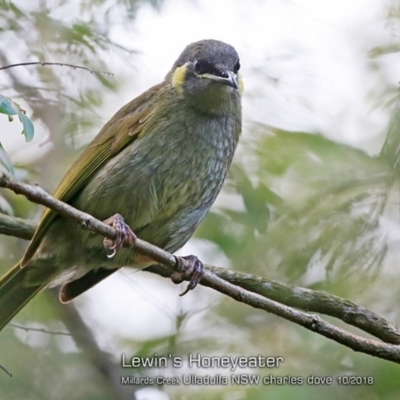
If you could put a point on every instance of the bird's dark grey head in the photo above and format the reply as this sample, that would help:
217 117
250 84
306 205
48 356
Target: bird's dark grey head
210 56
206 75
217 61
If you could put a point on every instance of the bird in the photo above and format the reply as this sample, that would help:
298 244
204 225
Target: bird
153 172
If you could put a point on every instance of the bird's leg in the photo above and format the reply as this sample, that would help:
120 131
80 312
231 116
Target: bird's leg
190 267
123 232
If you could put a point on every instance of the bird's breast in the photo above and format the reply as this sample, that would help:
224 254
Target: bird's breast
168 178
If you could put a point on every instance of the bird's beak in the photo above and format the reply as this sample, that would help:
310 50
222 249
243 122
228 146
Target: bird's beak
227 78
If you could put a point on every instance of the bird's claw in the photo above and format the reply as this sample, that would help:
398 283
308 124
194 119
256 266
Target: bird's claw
124 232
190 267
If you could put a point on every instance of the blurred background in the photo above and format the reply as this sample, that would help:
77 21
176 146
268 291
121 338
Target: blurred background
312 198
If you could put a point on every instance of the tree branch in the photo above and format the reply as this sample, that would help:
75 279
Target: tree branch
17 227
306 300
249 289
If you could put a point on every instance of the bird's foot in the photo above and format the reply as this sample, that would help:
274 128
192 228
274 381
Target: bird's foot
190 267
124 232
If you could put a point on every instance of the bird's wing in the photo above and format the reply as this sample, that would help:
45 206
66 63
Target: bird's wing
128 122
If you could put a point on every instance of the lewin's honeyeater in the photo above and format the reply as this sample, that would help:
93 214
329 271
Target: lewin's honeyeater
159 162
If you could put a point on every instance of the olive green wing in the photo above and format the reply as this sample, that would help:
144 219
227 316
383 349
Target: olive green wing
123 128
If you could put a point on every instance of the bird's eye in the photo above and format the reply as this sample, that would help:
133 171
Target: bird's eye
203 67
236 67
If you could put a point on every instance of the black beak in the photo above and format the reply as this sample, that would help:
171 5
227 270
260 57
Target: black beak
229 78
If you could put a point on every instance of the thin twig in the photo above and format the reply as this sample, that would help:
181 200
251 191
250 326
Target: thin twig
44 63
6 371
28 329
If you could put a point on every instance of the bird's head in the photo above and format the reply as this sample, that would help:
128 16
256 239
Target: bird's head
207 75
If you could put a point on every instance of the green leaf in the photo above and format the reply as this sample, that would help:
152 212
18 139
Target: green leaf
5 160
6 207
28 129
7 106
390 149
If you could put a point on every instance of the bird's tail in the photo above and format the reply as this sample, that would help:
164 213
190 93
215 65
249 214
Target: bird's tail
15 294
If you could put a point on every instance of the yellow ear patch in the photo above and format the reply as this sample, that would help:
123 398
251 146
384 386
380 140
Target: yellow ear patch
241 84
179 78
